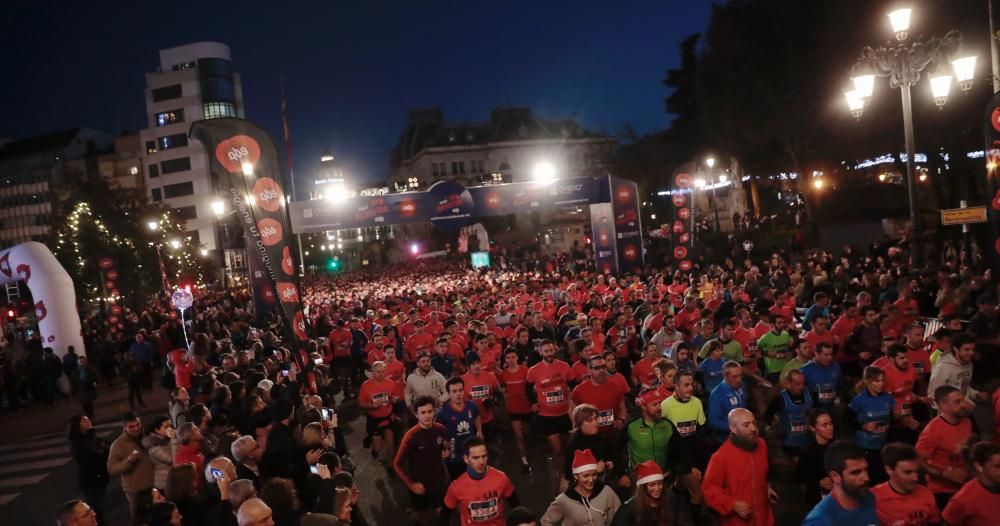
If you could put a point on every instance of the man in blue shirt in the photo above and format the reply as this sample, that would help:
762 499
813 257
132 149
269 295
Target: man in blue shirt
849 502
727 396
820 306
822 377
460 419
143 353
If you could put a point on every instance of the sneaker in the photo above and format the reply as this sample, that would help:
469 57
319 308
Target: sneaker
527 471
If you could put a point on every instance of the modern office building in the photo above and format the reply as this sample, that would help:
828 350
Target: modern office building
193 82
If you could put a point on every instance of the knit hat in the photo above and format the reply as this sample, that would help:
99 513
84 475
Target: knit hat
647 472
650 396
583 460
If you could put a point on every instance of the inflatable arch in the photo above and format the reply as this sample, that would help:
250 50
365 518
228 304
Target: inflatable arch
52 289
473 230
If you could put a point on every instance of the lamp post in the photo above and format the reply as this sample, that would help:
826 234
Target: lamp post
903 63
153 226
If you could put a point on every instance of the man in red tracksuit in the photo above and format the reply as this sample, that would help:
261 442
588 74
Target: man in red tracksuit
735 483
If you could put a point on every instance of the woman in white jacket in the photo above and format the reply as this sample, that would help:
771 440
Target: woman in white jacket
588 502
161 445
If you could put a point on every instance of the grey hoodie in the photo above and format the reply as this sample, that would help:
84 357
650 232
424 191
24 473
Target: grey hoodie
949 371
572 509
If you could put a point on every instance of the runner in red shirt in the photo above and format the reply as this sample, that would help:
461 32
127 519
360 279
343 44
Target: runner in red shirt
418 341
845 324
976 503
480 387
605 396
513 381
902 500
622 339
611 362
395 371
665 372
920 359
643 373
580 369
941 442
899 380
487 356
376 397
548 389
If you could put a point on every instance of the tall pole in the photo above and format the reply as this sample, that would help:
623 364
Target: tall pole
916 249
291 166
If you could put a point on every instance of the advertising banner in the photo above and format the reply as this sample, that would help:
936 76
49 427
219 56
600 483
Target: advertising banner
628 224
245 164
602 226
992 158
683 220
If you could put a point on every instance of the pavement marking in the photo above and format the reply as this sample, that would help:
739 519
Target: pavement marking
32 453
22 481
32 444
5 499
31 466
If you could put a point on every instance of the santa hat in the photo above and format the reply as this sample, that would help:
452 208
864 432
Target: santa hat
648 472
583 460
650 396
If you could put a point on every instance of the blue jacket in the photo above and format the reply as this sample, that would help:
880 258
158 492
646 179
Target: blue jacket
723 400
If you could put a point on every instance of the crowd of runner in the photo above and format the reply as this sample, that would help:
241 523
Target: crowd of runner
660 398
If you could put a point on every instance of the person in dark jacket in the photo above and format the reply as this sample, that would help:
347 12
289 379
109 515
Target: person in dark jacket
586 435
282 456
87 385
91 454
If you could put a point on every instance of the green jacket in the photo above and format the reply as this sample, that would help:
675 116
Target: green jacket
639 441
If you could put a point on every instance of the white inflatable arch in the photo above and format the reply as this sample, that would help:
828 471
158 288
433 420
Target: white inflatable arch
473 230
52 290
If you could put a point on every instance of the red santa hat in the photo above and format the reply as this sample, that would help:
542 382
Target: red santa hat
650 396
647 472
583 460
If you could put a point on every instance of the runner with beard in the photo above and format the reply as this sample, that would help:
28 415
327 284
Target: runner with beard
538 333
606 397
849 502
735 484
622 339
547 388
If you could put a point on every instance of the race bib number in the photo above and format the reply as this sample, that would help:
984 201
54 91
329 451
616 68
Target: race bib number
480 392
905 409
484 510
606 418
798 427
380 398
688 428
825 394
554 397
880 428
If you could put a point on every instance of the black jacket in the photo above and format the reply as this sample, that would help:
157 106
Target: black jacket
91 454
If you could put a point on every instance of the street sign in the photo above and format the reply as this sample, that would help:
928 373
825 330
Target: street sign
963 216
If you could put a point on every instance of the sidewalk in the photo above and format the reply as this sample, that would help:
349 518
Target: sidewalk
110 405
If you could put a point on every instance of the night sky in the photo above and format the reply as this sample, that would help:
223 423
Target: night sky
352 69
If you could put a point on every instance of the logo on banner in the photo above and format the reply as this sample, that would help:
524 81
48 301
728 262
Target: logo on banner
287 292
408 208
40 311
685 265
683 180
493 200
630 252
286 261
112 274
623 193
267 194
995 119
679 199
603 237
678 227
299 326
234 151
680 252
116 309
5 264
684 238
684 213
24 272
270 231
268 294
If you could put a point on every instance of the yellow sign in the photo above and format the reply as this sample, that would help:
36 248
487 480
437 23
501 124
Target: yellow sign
963 216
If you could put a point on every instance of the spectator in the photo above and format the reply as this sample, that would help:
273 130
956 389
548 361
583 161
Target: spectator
182 490
91 455
254 512
161 446
76 513
246 454
128 458
189 448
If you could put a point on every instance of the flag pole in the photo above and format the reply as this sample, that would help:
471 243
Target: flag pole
291 166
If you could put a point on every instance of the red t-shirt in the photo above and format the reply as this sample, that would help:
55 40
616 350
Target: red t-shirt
416 343
617 378
581 371
843 327
973 505
814 338
480 502
551 382
621 339
939 445
747 339
606 398
489 359
479 388
685 319
895 509
920 360
643 370
900 385
376 392
340 342
395 372
517 399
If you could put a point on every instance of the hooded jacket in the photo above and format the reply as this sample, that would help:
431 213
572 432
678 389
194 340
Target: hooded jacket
733 475
572 509
949 371
161 451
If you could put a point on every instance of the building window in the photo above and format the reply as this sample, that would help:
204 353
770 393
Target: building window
171 191
479 166
176 165
166 93
218 110
169 117
154 171
218 90
176 140
457 167
150 147
157 195
472 167
186 213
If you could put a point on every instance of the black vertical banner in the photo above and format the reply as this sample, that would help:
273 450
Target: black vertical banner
992 156
245 162
628 225
682 227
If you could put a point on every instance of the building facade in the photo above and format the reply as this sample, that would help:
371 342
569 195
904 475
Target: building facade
193 82
32 172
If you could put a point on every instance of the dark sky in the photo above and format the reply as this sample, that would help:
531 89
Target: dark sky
352 69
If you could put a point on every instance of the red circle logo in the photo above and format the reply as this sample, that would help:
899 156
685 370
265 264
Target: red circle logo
270 231
680 252
685 265
630 252
493 200
684 213
995 119
268 294
287 292
112 274
267 194
105 263
116 309
683 180
678 227
606 268
299 326
286 261
679 200
109 285
408 208
684 238
623 193
234 151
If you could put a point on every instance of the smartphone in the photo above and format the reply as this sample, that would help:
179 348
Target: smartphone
284 373
314 469
217 473
326 413
318 361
